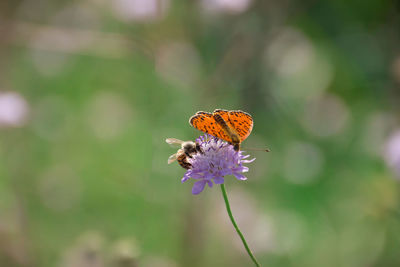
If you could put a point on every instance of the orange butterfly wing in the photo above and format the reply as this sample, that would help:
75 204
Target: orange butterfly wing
205 122
237 120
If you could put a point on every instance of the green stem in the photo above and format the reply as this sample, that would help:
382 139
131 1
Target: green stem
228 209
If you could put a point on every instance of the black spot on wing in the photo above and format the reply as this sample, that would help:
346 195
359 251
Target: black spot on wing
206 114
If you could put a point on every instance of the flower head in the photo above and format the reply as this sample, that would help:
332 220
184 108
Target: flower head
218 159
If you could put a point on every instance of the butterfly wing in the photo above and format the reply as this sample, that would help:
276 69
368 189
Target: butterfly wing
238 120
205 122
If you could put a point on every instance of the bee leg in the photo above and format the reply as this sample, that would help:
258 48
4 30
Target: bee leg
185 164
188 155
198 149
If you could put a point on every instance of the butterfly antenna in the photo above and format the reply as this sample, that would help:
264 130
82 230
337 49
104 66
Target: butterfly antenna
257 149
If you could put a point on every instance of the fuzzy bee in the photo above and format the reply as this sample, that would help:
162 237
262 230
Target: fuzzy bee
187 150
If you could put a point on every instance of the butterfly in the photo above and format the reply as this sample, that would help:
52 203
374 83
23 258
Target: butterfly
233 126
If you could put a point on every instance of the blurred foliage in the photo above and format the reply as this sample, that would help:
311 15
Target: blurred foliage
90 89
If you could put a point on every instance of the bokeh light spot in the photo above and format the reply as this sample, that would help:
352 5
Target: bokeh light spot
299 70
109 115
303 163
226 6
325 116
392 152
179 64
60 188
13 109
139 10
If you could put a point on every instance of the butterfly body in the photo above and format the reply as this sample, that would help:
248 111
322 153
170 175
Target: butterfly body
233 126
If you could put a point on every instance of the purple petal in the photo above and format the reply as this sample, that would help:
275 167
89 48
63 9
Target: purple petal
210 184
198 175
240 176
244 169
218 180
185 178
198 187
226 172
248 161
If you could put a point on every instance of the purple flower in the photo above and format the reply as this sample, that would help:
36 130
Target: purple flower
217 160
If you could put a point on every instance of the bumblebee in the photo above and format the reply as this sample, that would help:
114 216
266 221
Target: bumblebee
187 150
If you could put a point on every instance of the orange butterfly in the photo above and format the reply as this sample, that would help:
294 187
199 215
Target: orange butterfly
233 126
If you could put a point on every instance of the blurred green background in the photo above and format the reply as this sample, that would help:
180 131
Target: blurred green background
90 89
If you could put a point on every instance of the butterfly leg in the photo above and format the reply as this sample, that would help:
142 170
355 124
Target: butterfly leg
236 146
